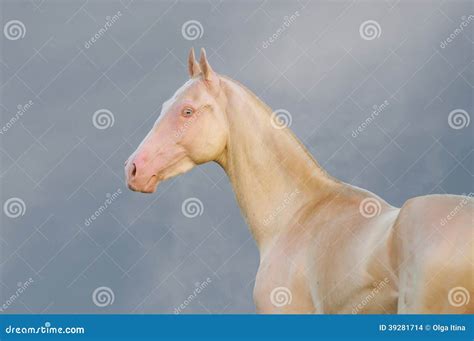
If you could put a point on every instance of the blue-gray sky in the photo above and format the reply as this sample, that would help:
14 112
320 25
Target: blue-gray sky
320 66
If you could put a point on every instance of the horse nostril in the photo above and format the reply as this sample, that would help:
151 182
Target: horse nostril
134 169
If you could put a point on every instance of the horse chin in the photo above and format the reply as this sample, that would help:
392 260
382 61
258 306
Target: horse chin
150 186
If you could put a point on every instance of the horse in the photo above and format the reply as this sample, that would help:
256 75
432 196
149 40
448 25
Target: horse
326 247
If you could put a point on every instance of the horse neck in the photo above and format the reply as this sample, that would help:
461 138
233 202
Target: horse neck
272 174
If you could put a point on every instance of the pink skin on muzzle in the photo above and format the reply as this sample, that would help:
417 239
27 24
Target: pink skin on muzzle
158 157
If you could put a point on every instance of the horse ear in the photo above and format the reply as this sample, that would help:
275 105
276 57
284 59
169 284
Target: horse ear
207 71
193 66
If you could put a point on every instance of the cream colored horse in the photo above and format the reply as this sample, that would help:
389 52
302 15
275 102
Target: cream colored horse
325 246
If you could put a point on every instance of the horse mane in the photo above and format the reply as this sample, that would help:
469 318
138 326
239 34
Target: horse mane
265 108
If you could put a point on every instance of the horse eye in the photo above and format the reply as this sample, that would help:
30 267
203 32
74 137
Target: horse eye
187 112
